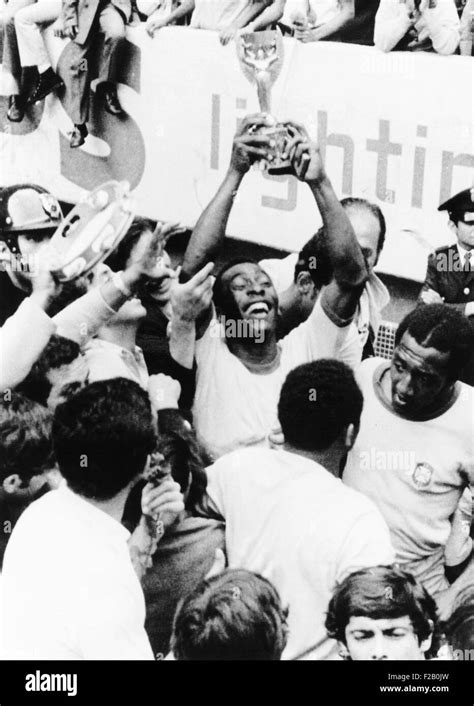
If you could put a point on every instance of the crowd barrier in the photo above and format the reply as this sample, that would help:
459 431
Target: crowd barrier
394 128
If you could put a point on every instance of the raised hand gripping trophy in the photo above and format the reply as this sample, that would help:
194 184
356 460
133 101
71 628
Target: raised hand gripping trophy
261 58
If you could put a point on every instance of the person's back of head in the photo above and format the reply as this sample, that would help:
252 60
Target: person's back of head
318 403
236 615
102 437
25 439
314 258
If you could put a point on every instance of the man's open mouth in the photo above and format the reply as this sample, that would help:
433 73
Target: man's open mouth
258 310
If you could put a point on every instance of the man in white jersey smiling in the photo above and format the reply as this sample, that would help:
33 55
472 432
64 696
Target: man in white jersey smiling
240 365
414 455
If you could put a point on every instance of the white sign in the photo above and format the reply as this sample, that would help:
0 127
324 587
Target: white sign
394 128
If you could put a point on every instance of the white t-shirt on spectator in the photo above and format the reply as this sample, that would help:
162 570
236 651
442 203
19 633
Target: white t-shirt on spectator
291 521
440 24
234 407
69 588
216 14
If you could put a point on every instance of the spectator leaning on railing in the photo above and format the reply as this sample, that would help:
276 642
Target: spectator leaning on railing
224 16
411 25
313 20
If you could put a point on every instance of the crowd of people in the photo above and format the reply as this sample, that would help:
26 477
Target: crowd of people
96 33
201 464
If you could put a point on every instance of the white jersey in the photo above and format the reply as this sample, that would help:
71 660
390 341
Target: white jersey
414 471
234 407
291 521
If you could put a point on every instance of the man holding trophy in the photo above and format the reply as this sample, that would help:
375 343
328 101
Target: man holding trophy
239 375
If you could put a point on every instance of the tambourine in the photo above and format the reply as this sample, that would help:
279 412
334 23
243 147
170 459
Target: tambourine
92 230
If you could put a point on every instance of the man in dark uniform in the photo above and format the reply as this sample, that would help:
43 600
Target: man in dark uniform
450 272
29 215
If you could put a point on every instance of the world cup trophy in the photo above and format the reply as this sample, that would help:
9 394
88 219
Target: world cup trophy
261 58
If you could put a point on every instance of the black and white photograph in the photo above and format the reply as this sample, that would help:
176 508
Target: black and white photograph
237 342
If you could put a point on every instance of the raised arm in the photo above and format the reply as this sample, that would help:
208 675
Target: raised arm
210 230
248 13
350 272
155 23
190 303
346 14
83 318
270 15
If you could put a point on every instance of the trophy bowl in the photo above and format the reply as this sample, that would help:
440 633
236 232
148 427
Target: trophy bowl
92 230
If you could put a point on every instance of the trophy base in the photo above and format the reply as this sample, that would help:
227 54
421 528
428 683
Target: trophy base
280 164
279 169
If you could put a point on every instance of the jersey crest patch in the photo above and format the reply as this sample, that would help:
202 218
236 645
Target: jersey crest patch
422 475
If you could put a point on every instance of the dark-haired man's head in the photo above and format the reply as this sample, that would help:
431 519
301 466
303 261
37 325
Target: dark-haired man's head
460 209
102 437
244 292
320 406
383 613
58 373
26 452
236 615
432 345
132 246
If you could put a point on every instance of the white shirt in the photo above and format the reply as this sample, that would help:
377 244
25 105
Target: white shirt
107 360
462 252
23 337
294 523
440 24
414 471
234 407
69 587
216 14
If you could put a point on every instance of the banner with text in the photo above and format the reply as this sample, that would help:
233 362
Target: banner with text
393 128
